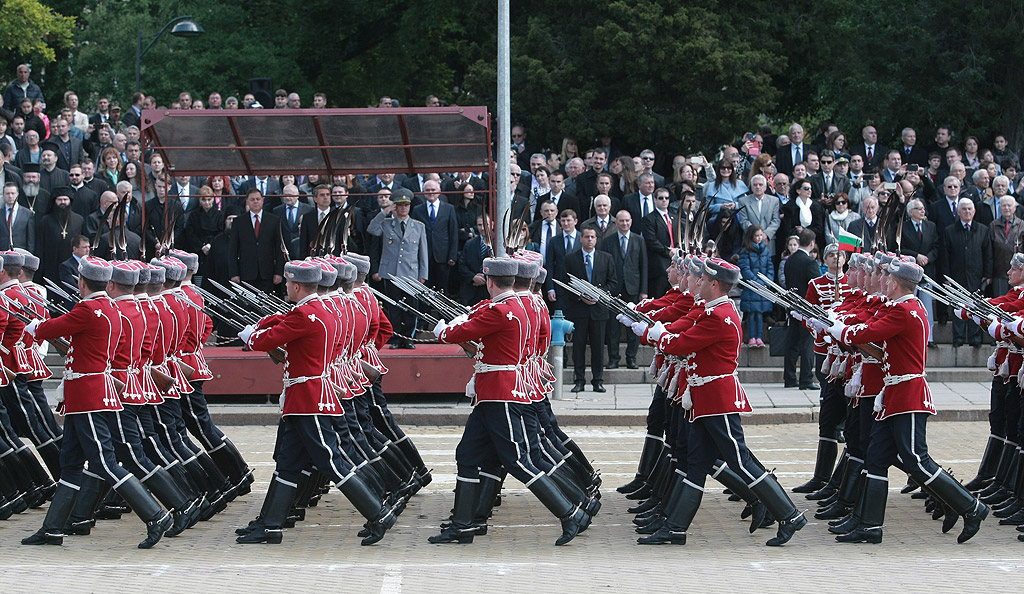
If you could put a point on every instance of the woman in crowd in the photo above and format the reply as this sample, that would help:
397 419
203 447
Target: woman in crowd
754 259
836 143
133 174
203 226
110 168
626 170
726 189
841 216
569 150
467 209
764 165
220 186
970 159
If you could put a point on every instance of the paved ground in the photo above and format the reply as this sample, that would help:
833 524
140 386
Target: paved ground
518 553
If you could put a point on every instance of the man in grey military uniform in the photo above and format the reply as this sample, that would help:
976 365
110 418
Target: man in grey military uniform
403 252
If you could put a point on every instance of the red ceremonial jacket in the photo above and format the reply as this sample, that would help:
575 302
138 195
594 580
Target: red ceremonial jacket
712 350
902 324
128 354
821 291
307 333
94 327
14 354
152 348
198 330
500 325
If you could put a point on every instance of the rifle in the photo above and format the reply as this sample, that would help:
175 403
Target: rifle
589 292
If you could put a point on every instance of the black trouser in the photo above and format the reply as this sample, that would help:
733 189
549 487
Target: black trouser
494 435
25 419
404 323
614 333
87 438
562 437
965 331
719 437
854 443
439 272
832 411
900 441
128 446
657 414
310 440
196 415
997 419
1013 408
555 436
800 346
588 333
383 421
681 443
35 389
542 461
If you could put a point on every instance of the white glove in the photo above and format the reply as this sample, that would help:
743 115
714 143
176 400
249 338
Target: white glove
246 332
631 306
30 328
977 320
439 327
959 313
797 316
836 330
1014 326
624 320
458 319
818 325
639 328
656 332
994 329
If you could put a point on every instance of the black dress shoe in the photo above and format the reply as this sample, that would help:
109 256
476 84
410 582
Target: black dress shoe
631 364
578 387
613 364
932 345
957 343
394 346
789 386
975 343
810 387
599 387
409 345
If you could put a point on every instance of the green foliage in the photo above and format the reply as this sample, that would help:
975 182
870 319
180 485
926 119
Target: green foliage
31 31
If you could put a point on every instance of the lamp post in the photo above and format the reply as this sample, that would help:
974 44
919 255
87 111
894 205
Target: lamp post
184 26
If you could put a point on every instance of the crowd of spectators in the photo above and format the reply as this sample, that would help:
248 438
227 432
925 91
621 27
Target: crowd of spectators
960 203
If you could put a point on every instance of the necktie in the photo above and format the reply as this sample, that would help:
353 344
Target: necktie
871 153
10 211
1007 228
623 243
668 223
433 215
219 206
604 225
291 216
967 227
590 269
263 187
320 215
484 248
799 155
256 225
568 243
403 228
908 150
920 234
647 208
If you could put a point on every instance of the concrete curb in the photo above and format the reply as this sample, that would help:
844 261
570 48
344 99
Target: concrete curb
456 416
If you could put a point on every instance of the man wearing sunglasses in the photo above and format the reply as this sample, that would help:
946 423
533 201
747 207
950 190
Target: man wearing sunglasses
828 182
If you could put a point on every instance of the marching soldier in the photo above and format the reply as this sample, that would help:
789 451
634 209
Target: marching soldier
306 436
494 433
903 407
90 399
714 400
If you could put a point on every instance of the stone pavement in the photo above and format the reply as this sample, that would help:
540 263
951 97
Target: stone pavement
517 555
626 405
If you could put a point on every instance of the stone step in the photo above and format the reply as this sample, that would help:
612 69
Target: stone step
766 375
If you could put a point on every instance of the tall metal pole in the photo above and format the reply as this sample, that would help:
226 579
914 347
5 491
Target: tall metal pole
501 155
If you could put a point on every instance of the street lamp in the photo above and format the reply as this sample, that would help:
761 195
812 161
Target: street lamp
184 26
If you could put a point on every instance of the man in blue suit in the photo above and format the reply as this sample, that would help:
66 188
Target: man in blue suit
442 233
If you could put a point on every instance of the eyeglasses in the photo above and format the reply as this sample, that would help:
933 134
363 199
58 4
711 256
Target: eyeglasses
916 208
768 164
802 188
726 168
824 162
647 158
841 202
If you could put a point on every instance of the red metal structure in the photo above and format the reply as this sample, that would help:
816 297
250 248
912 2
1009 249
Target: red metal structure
331 142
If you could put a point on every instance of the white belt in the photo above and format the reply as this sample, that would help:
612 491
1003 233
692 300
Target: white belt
892 380
481 367
291 381
73 375
698 380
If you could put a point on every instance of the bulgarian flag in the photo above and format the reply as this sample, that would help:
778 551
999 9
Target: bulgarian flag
848 242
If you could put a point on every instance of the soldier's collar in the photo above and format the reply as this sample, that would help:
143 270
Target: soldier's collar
125 297
13 281
502 296
906 297
716 302
95 295
306 299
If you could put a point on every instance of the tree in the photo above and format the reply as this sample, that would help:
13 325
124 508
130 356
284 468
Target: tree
32 30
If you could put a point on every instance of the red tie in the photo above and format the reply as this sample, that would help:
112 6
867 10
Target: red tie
256 226
870 154
671 239
1007 228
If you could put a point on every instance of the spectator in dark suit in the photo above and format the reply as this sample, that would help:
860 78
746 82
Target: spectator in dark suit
793 153
872 152
254 246
603 219
157 209
19 222
292 214
184 191
659 230
800 269
920 240
565 243
910 152
629 255
589 319
473 287
967 259
203 227
68 270
545 228
559 195
268 187
442 233
312 218
641 203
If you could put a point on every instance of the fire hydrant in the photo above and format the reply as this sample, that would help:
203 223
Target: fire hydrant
561 331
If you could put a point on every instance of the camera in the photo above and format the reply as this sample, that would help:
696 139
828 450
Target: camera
890 186
912 167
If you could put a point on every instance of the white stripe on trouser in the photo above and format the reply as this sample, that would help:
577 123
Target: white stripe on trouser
466 480
67 484
828 439
876 477
736 448
330 453
687 482
284 482
124 440
913 448
99 451
158 420
519 454
28 420
490 476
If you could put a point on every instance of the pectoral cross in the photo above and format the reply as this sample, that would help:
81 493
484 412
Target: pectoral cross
63 233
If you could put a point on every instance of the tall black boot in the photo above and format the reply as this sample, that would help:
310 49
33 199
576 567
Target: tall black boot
56 516
490 486
997 490
462 529
662 465
163 487
827 450
732 481
780 506
43 486
566 482
244 486
846 495
989 463
648 458
574 519
275 510
218 480
829 489
408 449
653 522
90 496
50 453
147 508
224 458
398 463
9 489
679 517
199 478
1017 518
581 464
872 512
960 500
380 519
